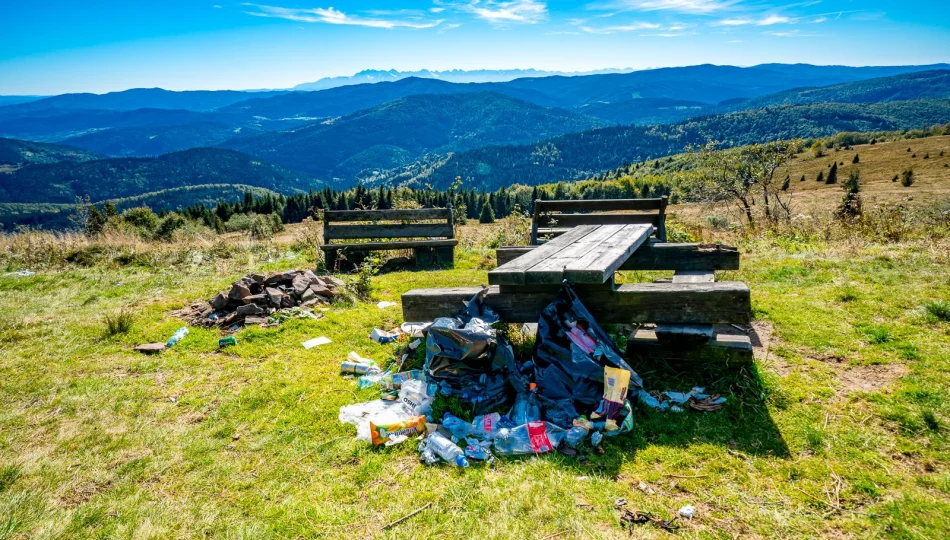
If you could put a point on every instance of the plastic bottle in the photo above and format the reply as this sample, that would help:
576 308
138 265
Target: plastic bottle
486 426
176 337
456 426
530 438
576 435
446 449
526 408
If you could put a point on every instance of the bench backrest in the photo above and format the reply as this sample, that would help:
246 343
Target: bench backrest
365 224
552 218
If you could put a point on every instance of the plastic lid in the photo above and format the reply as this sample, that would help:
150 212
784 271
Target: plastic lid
532 387
461 461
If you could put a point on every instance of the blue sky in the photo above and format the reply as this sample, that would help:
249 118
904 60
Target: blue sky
51 47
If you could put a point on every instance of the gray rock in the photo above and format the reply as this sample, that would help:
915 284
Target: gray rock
220 301
321 290
333 282
260 299
301 283
239 291
150 348
274 296
258 278
308 295
250 309
287 301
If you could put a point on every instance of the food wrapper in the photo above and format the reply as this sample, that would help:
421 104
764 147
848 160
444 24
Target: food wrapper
616 382
383 433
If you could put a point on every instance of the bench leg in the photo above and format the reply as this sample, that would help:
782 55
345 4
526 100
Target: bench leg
423 256
445 255
330 259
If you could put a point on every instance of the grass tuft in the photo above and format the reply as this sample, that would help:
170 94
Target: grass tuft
118 323
938 310
878 334
933 424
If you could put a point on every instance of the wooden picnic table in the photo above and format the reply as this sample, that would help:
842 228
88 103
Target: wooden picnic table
585 255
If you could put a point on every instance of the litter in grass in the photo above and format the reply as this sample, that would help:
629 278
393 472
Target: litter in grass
687 511
382 336
673 401
177 336
311 343
21 273
227 341
385 304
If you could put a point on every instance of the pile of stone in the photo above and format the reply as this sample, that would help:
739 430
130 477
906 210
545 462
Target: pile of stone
253 298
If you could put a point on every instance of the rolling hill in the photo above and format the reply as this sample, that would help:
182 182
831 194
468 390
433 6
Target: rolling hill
15 154
585 154
401 131
128 177
918 85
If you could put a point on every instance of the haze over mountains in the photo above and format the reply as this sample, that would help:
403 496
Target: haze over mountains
414 129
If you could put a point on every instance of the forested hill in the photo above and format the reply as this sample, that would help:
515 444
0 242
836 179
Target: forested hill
933 84
583 155
127 177
16 153
401 131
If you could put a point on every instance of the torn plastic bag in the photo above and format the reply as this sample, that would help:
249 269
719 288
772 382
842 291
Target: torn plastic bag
571 351
378 411
466 358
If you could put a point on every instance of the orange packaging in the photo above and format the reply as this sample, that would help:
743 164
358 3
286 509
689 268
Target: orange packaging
382 433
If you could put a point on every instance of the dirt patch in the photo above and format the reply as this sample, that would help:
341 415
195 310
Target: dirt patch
870 378
760 334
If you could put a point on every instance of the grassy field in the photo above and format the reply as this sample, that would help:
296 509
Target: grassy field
838 430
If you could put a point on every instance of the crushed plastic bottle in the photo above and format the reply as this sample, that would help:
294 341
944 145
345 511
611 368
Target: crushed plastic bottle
576 435
526 408
177 336
486 426
439 445
456 426
531 438
480 450
596 438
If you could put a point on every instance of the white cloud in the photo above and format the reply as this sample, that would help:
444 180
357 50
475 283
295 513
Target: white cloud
765 21
512 11
792 33
331 15
680 6
819 20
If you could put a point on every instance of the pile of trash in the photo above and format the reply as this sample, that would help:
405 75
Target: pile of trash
574 388
256 299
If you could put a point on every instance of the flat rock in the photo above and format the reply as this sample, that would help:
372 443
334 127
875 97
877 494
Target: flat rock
308 295
260 299
258 278
274 296
300 284
150 348
287 302
254 319
333 282
220 301
250 309
320 290
239 291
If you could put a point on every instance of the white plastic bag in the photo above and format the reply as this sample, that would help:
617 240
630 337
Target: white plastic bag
417 396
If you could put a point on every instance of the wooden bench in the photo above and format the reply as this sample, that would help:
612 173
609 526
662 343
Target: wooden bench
428 232
553 218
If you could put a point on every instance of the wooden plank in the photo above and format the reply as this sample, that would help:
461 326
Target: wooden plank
599 205
645 349
349 232
694 276
398 244
414 214
573 220
682 303
601 262
551 270
513 273
658 256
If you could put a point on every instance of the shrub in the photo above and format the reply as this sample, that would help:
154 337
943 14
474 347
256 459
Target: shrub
856 159
169 225
118 323
95 222
487 215
717 222
821 176
239 222
262 227
850 206
927 155
895 177
142 218
818 149
832 175
362 286
907 177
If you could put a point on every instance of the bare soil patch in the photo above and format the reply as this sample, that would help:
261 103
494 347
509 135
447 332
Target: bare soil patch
871 378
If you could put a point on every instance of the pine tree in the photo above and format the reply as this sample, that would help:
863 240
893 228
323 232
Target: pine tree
850 206
821 176
95 222
487 215
907 177
786 183
856 159
109 210
832 175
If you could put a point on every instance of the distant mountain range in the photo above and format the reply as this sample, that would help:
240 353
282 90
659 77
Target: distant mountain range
453 75
430 130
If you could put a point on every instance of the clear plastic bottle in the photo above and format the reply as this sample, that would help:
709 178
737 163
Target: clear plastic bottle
446 449
456 426
530 438
526 408
576 435
177 336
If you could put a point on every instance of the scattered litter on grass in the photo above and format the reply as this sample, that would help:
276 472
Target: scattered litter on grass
687 511
177 336
635 517
672 401
385 304
382 336
227 341
311 343
21 273
357 365
383 433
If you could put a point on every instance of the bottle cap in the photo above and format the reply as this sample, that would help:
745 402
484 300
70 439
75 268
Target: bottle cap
532 387
461 461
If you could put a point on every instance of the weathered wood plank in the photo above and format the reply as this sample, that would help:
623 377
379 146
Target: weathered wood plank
398 244
645 349
513 273
600 205
659 256
601 262
694 276
350 232
389 215
687 303
551 270
573 220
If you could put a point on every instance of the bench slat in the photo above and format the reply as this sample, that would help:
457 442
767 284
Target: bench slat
513 273
551 271
350 232
556 221
404 244
602 261
680 303
389 215
658 256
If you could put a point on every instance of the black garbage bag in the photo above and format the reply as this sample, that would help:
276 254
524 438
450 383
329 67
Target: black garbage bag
467 359
570 353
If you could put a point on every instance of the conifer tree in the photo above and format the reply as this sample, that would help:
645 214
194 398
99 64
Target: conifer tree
850 206
487 215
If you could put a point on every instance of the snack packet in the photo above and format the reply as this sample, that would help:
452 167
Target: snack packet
383 433
616 382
